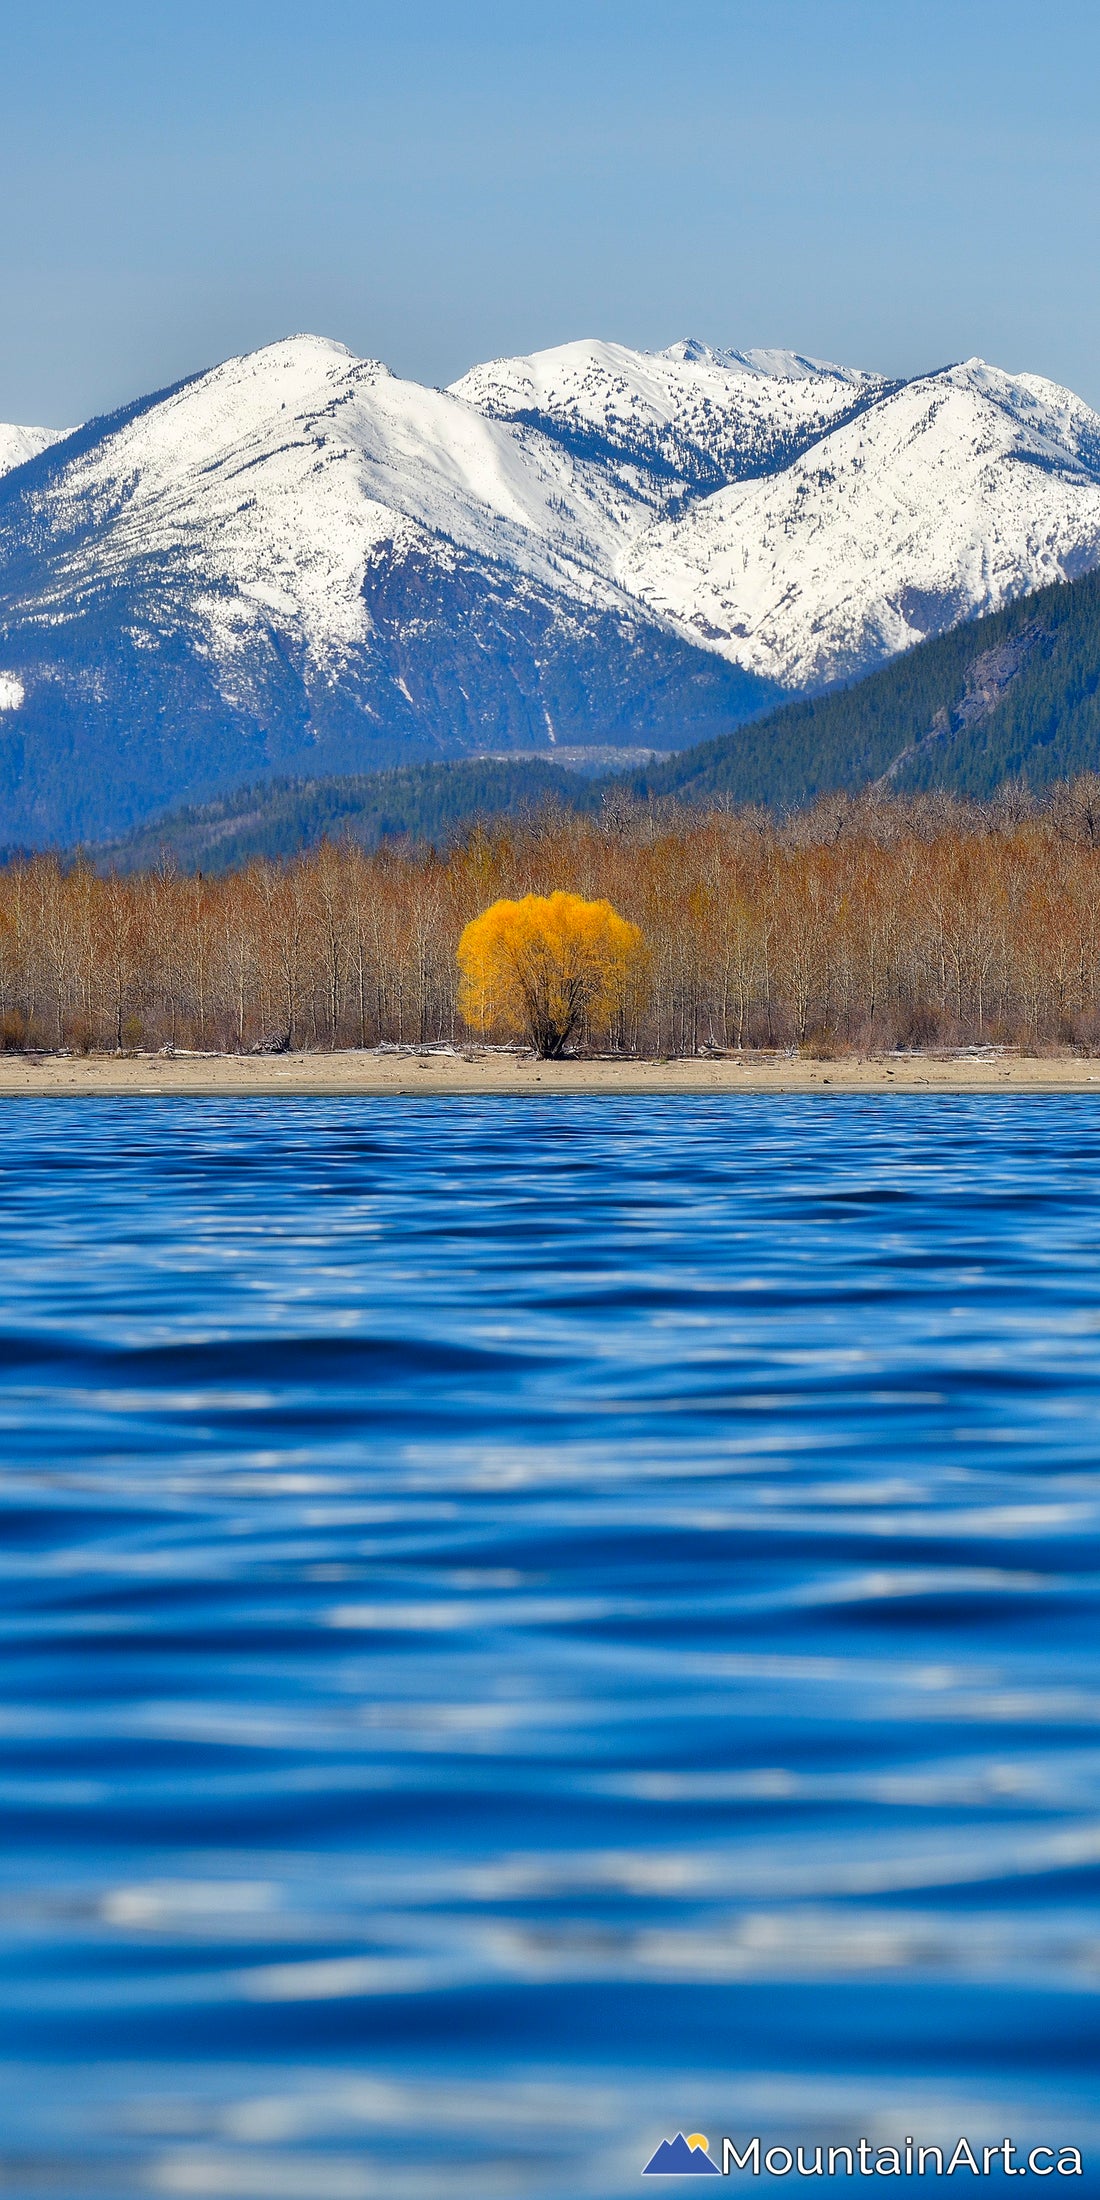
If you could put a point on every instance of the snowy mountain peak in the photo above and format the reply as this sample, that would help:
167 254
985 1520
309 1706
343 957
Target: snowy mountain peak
270 487
298 372
939 499
772 365
17 445
673 424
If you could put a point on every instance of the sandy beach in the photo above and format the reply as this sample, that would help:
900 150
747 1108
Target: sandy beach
489 1070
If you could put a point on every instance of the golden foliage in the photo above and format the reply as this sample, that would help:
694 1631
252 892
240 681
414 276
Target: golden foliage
546 966
861 924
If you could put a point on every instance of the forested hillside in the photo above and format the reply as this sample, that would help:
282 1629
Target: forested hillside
426 803
1014 695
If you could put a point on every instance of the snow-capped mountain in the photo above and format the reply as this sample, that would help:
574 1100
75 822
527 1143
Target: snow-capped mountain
809 521
946 498
274 480
667 425
19 444
299 562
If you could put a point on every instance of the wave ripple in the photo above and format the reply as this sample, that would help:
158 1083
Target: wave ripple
530 1625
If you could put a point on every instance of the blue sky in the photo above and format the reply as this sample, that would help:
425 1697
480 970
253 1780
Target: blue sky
892 185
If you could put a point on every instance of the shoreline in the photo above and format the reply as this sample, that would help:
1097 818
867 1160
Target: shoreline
484 1071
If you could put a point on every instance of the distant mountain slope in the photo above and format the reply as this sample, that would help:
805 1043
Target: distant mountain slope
812 521
668 425
17 445
1013 695
947 497
430 803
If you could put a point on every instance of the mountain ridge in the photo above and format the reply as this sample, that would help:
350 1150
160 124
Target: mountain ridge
298 562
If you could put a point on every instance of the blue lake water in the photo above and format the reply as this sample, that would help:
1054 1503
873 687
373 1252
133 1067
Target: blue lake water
532 1625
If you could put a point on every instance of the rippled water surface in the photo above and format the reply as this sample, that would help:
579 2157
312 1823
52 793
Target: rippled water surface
531 1625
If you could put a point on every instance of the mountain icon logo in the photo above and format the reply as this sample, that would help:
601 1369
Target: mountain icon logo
680 2157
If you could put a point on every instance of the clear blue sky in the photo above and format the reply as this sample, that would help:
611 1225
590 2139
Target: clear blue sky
439 181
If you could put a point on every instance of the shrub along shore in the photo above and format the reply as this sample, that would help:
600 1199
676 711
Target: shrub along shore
857 928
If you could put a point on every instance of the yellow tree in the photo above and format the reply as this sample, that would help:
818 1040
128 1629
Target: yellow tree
545 965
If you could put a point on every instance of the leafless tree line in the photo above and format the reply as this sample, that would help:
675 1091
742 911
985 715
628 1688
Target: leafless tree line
862 923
